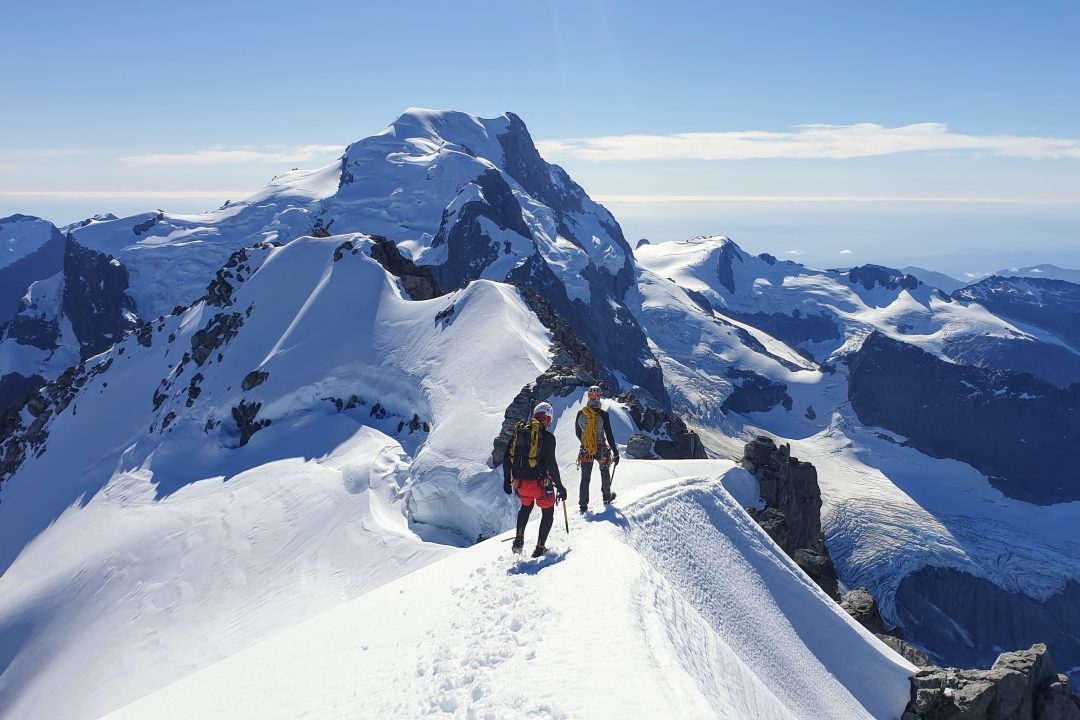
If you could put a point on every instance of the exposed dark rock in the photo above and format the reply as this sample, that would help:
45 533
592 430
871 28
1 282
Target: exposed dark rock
95 298
244 415
672 439
17 441
870 276
145 335
523 163
33 330
792 514
418 281
906 650
346 177
1010 426
1021 685
253 379
860 604
468 248
754 393
242 263
16 389
700 300
966 620
608 328
639 445
148 223
725 270
319 230
221 329
193 389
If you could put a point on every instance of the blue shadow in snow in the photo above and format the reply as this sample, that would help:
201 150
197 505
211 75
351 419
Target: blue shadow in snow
531 566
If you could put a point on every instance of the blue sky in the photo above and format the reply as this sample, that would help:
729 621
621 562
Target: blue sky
945 131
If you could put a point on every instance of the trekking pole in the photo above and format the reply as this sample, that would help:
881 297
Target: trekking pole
566 518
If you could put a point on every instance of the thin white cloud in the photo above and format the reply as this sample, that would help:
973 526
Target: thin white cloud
794 252
836 142
845 252
54 152
661 199
223 156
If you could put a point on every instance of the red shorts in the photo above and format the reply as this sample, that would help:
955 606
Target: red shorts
530 490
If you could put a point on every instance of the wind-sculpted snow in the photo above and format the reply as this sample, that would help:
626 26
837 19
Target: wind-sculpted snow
151 536
623 619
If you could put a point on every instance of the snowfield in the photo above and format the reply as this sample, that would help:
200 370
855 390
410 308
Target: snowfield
671 604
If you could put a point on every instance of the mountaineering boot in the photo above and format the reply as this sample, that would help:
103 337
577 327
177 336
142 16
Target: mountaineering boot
518 544
583 509
609 498
540 550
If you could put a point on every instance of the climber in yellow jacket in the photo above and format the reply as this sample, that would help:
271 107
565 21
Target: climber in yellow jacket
593 428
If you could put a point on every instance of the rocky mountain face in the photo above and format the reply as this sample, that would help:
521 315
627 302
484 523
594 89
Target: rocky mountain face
1011 426
1052 305
36 251
792 514
985 617
72 315
503 214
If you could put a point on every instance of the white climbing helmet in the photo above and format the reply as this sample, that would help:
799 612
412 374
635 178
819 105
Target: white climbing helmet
544 408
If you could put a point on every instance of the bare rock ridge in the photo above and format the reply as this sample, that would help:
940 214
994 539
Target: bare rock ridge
792 514
1022 685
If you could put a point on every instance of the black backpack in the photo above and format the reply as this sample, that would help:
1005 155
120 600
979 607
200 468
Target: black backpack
526 446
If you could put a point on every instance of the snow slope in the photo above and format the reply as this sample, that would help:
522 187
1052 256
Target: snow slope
146 541
673 604
21 235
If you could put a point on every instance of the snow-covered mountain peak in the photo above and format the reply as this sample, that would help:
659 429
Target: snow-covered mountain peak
470 133
21 235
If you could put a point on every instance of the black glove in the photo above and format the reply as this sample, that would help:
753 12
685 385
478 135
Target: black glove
507 487
616 459
560 492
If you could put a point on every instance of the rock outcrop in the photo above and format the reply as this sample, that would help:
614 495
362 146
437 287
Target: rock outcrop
417 281
860 604
1021 685
792 514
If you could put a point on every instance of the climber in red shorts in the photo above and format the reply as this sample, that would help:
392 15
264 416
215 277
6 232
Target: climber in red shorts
530 469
